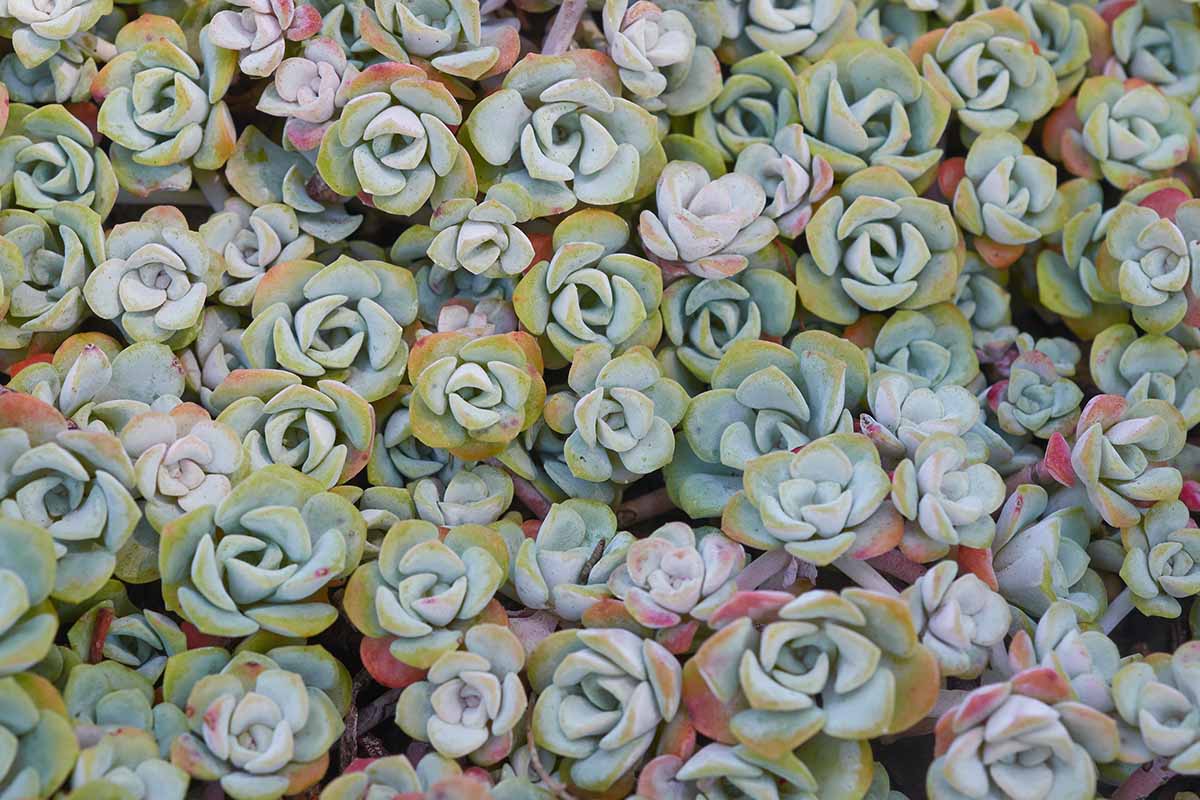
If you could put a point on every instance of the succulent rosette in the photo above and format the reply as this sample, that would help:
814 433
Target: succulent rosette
1157 42
395 774
162 109
556 569
341 322
612 155
983 299
793 177
424 589
903 415
253 240
457 39
806 28
712 227
826 500
476 493
261 558
126 762
1118 455
324 431
590 291
959 618
65 77
259 30
618 413
472 700
397 456
849 665
27 579
48 157
931 346
602 696
1156 701
1162 559
865 104
157 278
877 246
262 725
473 396
39 733
142 641
757 101
481 238
1152 366
764 398
39 32
1021 738
1072 38
308 89
1036 400
392 142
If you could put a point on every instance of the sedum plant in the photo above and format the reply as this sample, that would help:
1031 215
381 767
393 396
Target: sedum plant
1036 400
1161 554
1155 701
462 40
394 774
959 618
475 494
793 177
903 415
40 739
758 100
142 641
1152 366
39 33
253 240
788 29
126 761
931 346
1156 42
260 30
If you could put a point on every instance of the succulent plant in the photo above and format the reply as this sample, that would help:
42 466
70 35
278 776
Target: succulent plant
618 414
308 89
865 104
1156 700
27 576
1044 743
141 640
806 29
474 396
157 278
457 39
1161 566
826 500
65 77
1071 37
108 696
253 240
931 346
904 414
423 589
48 157
1117 453
262 728
38 32
1036 400
1040 556
982 298
1156 41
709 226
282 539
602 696
792 176
324 431
959 618
340 322
849 665
171 120
481 238
757 101
392 143
877 246
566 567
258 31
397 457
39 736
471 700
612 154
477 494
1147 367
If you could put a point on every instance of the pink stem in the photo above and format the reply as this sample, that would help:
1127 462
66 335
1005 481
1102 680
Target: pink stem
644 508
761 569
562 30
898 565
528 494
1144 780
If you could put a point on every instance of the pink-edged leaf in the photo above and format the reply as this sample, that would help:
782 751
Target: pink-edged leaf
678 638
1042 683
760 605
1057 463
305 23
978 562
385 668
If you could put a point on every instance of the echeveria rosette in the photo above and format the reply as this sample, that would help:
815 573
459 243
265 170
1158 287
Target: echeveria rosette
764 398
472 700
1035 400
261 559
1155 700
324 431
824 501
459 39
1152 256
74 483
663 62
307 91
262 725
140 640
259 30
896 24
1162 559
704 318
904 414
472 396
398 457
787 28
556 569
392 142
481 238
342 322
47 157
157 278
603 694
537 455
126 762
162 109
710 227
959 618
438 288
948 496
44 262
877 246
40 31
618 413
1071 37
424 589
1121 454
27 578
1040 557
590 291
474 493
849 665
1156 41
381 508
1151 366
989 70
40 735
65 77
107 695
794 178
864 104
932 346
677 573
1023 738
757 101
394 774
182 459
253 240
612 153
982 297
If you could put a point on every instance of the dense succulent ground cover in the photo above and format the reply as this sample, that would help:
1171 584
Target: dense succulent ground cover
599 400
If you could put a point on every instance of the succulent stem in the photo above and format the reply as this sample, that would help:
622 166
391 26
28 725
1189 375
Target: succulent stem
897 565
946 700
647 507
562 30
762 569
1144 781
865 575
1118 609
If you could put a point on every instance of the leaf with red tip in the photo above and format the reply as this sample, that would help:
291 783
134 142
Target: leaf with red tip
978 562
385 668
1042 683
1057 462
759 605
1165 202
